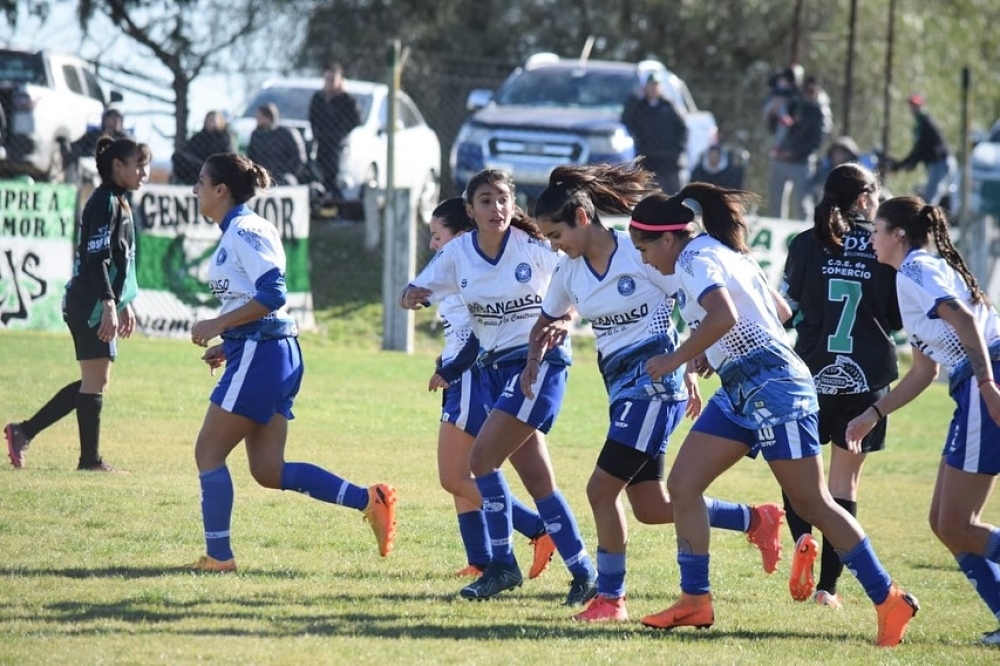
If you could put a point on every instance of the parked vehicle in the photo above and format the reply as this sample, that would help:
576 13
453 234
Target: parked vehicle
363 161
556 111
48 100
985 182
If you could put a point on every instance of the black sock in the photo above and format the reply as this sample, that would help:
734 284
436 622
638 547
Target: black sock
796 524
88 420
830 565
61 404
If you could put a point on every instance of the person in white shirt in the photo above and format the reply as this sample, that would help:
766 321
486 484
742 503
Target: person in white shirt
766 406
951 323
629 306
502 271
252 403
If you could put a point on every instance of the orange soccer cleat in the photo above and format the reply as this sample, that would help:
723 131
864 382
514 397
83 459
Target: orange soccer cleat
604 609
691 610
800 581
765 533
209 564
543 546
894 615
381 515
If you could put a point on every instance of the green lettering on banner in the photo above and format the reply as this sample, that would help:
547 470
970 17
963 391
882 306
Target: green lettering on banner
761 240
36 210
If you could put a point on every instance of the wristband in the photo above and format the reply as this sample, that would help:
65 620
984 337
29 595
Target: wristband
533 359
878 412
985 381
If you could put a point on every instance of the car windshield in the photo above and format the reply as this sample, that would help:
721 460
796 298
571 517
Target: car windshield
293 103
21 68
560 87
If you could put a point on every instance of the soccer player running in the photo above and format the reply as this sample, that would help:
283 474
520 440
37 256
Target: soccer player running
845 309
97 306
462 417
252 403
766 405
629 306
502 271
951 323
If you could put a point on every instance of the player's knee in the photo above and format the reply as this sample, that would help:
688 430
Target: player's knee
268 476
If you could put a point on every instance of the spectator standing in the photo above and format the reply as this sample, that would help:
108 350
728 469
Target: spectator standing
112 125
794 157
717 167
333 113
929 148
660 133
213 137
277 148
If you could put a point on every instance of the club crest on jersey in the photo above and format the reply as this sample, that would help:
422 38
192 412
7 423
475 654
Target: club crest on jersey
522 273
681 298
221 256
626 285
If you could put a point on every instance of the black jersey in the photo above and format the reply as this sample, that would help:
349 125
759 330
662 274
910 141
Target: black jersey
105 256
846 308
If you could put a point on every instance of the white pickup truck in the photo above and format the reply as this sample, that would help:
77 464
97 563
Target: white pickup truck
47 100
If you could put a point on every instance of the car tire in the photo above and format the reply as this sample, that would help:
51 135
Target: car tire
57 163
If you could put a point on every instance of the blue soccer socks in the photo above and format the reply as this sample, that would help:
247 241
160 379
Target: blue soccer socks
610 574
526 521
216 511
727 515
497 509
475 538
985 578
864 564
562 527
320 484
694 573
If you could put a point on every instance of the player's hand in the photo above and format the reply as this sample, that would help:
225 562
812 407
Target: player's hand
126 323
991 396
660 366
695 403
701 366
436 382
204 331
108 328
553 334
858 427
215 357
529 375
414 298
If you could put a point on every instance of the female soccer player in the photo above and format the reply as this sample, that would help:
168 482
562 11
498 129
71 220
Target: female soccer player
767 402
502 270
252 402
97 307
952 324
845 305
462 417
629 306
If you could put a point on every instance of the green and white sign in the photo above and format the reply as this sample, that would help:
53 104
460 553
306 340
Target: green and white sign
36 253
175 244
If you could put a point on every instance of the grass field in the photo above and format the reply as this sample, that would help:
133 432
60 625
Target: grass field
90 575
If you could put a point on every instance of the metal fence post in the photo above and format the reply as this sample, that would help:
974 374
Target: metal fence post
399 243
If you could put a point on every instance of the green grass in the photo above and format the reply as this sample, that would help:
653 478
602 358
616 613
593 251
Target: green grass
90 575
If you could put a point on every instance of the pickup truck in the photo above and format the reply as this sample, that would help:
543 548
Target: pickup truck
554 111
47 101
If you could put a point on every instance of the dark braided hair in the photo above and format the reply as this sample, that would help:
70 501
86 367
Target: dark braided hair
920 222
497 177
721 214
832 219
453 215
613 189
244 177
109 149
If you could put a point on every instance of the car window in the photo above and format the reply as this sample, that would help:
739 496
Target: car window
293 102
21 68
72 79
93 87
562 87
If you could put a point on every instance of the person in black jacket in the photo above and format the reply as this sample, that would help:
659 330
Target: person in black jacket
333 113
794 157
660 133
277 148
845 309
214 137
929 148
97 304
718 167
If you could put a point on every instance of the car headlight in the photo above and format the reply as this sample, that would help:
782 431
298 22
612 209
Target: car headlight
618 141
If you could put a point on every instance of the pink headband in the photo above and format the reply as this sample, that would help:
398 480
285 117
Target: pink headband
643 226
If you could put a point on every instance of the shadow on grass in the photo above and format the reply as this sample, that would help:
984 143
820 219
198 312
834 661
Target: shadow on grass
132 572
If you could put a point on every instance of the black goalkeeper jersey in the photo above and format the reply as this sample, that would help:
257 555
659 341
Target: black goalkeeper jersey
846 308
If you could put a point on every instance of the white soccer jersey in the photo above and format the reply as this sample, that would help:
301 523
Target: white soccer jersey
629 303
250 247
924 282
764 383
503 295
456 325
